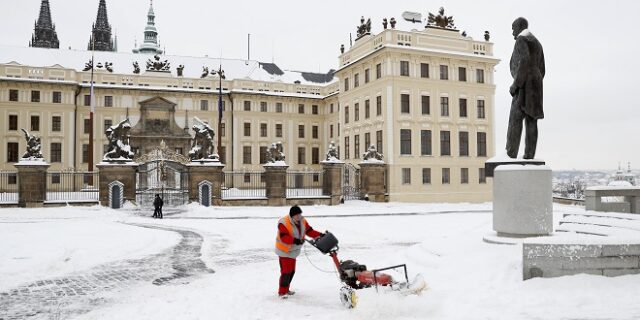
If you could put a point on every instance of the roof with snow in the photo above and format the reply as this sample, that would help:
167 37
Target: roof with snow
193 66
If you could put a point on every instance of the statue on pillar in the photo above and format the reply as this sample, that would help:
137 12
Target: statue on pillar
332 152
275 153
34 147
119 148
372 154
202 147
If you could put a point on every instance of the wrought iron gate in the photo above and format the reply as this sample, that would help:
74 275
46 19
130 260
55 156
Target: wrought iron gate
351 182
162 172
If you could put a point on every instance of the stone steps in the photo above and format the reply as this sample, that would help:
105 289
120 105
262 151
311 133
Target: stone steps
601 224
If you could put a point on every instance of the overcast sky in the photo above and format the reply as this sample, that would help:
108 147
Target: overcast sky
591 51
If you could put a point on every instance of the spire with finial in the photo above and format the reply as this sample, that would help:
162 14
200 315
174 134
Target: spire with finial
150 44
44 35
100 38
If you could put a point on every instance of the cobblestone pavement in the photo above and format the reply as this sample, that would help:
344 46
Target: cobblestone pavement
64 297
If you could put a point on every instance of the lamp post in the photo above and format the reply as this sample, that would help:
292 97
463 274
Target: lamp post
221 76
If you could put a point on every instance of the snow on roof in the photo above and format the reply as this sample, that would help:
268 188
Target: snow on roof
193 66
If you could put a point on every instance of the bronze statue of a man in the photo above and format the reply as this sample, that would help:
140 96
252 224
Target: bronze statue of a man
527 70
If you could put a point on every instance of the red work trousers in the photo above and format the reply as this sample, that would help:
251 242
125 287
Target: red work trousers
287 270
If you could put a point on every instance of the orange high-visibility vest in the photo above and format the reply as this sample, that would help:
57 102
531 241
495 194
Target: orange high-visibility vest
290 250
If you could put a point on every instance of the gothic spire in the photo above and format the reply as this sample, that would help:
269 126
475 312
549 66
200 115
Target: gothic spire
150 44
100 38
44 35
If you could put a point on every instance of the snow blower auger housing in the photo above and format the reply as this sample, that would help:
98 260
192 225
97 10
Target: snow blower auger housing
355 276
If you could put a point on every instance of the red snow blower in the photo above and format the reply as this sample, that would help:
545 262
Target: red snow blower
355 276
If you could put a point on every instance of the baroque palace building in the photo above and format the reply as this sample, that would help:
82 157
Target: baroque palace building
424 97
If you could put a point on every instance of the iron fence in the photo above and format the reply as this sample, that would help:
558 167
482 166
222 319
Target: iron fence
243 185
72 186
305 184
8 187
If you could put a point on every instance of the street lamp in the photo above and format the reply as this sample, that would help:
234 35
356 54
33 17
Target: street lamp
221 76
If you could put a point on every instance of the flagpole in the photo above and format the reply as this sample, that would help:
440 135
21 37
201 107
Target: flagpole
220 76
92 109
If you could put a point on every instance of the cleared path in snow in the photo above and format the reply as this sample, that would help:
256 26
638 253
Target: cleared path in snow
63 297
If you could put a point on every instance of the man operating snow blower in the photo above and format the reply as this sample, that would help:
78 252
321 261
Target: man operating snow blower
292 229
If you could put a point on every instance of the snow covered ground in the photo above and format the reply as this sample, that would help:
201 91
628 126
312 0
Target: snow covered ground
467 278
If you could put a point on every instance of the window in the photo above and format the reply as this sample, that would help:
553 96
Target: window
224 105
378 105
223 129
12 178
446 172
315 155
278 130
356 112
85 153
406 175
301 155
279 107
35 96
444 106
404 103
87 126
367 109
366 75
464 143
55 178
356 80
314 132
331 108
246 155
12 152
480 75
464 175
247 129
108 101
13 122
301 131
246 178
204 105
481 177
223 154
346 115
367 141
445 143
263 130
426 105
13 95
107 124
346 84
263 155
425 142
426 175
247 105
481 114
462 74
56 152
56 97
463 108
424 70
356 146
35 123
379 141
378 71
405 142
482 144
444 72
56 123
346 147
330 131
301 108
404 68
87 100
314 109
263 106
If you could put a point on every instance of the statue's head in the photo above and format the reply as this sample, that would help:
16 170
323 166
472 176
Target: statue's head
518 25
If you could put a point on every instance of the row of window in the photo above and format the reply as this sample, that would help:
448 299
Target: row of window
264 107
278 133
445 176
367 77
356 144
56 96
247 155
34 124
445 143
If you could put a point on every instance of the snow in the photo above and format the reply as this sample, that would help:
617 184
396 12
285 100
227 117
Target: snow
503 157
620 183
372 160
520 167
467 278
332 160
276 164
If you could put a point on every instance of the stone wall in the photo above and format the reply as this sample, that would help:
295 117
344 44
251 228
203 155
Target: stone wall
555 260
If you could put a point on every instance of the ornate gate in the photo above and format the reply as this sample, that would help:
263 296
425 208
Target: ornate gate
162 172
351 182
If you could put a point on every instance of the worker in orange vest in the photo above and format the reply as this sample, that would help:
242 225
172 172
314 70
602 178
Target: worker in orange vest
292 229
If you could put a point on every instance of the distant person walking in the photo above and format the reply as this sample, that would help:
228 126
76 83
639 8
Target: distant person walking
157 204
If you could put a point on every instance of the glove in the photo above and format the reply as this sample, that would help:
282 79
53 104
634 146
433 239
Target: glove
298 241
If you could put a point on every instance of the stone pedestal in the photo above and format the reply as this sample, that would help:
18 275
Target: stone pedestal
373 184
206 177
122 172
522 201
32 187
332 180
275 177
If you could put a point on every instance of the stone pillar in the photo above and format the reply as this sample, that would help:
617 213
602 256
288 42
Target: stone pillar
275 176
332 180
123 172
203 171
32 183
522 201
372 180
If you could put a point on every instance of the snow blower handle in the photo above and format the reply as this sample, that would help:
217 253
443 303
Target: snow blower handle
326 243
